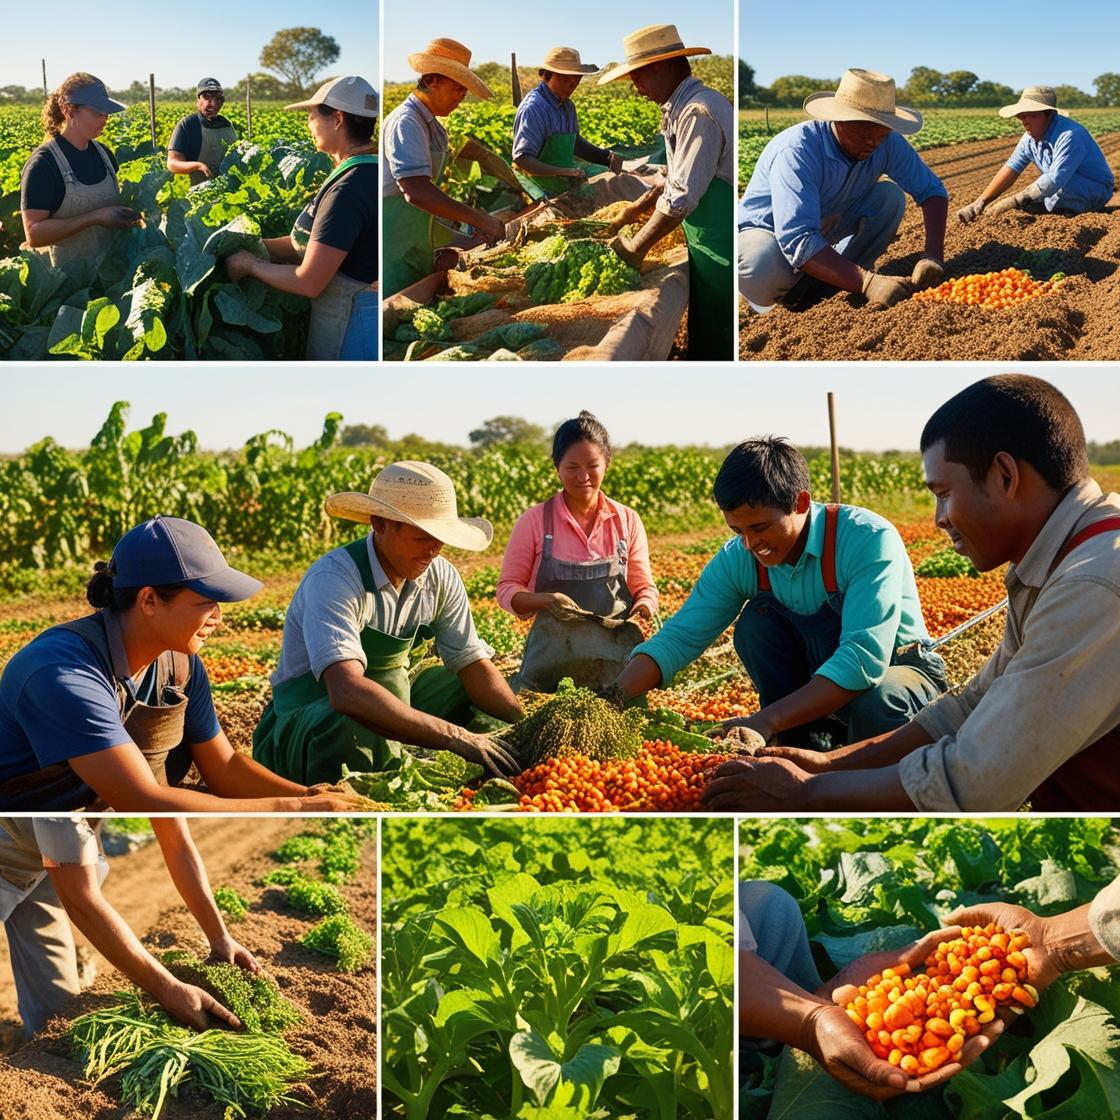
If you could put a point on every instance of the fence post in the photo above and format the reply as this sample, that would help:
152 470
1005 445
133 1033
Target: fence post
835 448
45 93
248 108
152 110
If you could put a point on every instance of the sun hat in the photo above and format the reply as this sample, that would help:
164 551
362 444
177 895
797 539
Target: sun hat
864 95
96 96
351 95
566 60
452 60
655 43
209 85
1033 99
169 550
417 494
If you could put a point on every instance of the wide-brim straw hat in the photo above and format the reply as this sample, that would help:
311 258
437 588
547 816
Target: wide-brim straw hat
351 94
651 44
566 60
417 494
452 60
1034 99
864 95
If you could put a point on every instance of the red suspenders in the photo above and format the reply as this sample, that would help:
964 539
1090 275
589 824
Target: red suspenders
828 556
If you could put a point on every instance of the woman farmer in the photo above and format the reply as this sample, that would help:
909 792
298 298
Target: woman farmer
546 136
112 709
69 195
331 254
579 554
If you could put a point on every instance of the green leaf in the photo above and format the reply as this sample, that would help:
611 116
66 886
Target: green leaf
577 1081
472 930
643 923
804 1091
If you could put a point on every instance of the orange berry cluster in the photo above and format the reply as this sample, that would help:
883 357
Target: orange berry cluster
919 1022
730 700
1006 288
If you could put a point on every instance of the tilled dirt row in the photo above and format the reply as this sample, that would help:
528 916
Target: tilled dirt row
1080 321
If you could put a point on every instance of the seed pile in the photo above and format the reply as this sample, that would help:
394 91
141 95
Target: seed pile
992 290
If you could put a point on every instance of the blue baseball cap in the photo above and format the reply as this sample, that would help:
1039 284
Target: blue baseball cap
96 96
170 550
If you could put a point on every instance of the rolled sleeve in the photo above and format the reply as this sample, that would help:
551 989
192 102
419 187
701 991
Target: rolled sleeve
519 561
66 841
1104 918
1020 158
457 641
796 203
407 147
693 163
332 618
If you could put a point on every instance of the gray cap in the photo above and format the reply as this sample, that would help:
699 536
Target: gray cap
96 96
210 85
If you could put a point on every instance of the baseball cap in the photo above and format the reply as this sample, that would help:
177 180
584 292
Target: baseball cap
96 96
170 550
210 85
351 95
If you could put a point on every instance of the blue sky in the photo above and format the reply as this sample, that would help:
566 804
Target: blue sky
1030 42
178 44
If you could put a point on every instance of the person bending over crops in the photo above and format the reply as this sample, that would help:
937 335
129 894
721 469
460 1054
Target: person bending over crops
576 553
416 152
546 136
825 608
200 141
114 708
827 197
69 195
331 254
1074 176
343 688
51 871
698 192
1040 722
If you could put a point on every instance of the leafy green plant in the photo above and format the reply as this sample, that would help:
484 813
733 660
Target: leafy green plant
231 904
339 936
313 897
946 563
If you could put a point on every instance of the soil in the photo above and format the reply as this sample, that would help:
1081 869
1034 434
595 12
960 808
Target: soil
1080 321
338 1037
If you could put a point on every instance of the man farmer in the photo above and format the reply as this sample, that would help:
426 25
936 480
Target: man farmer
342 687
199 143
698 192
546 136
824 604
1040 722
414 153
1074 175
827 197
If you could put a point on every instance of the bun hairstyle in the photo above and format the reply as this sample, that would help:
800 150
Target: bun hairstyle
584 427
53 116
103 594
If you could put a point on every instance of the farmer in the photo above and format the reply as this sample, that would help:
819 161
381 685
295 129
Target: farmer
51 871
575 553
1040 722
1074 175
199 143
818 213
114 708
823 600
69 195
343 688
698 192
330 256
415 148
546 137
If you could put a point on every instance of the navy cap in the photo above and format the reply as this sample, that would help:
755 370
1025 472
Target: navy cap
169 550
96 96
210 85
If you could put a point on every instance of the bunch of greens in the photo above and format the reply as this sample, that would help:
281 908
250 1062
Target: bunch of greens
231 904
339 936
582 269
946 563
314 897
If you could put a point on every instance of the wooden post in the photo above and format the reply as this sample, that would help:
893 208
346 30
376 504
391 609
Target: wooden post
835 448
515 84
45 93
248 107
152 110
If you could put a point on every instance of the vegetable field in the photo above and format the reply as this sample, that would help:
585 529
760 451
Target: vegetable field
866 886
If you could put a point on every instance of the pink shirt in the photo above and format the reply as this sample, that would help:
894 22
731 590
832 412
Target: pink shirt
613 522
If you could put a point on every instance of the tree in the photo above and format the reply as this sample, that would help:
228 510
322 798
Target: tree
1108 89
923 86
364 435
958 84
298 54
1070 97
506 429
746 83
266 87
792 89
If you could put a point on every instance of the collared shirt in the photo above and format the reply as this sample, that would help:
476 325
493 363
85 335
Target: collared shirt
699 128
1048 691
186 139
613 522
1066 156
28 845
408 136
331 607
1104 917
541 115
805 182
881 610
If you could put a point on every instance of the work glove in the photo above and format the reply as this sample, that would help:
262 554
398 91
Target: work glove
565 609
927 273
1017 201
614 165
885 291
972 211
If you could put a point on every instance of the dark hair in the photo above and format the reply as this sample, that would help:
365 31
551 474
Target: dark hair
584 427
768 471
359 129
102 592
1013 412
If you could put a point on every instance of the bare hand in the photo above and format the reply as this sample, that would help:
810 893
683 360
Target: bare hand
118 217
627 252
1042 967
228 951
488 751
492 229
641 610
325 803
192 1006
764 784
614 166
202 169
240 264
927 274
742 735
812 762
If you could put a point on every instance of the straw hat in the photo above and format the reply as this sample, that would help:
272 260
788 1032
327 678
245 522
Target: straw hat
864 95
1034 99
566 60
651 44
417 494
452 60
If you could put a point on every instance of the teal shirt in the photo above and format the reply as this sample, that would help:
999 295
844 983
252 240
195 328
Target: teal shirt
881 608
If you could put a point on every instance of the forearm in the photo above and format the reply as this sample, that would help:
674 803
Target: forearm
281 250
296 279
828 265
534 166
935 212
236 775
529 602
490 691
425 195
658 226
883 750
50 231
770 1004
862 790
640 675
1071 944
177 165
591 152
1002 179
820 697
187 872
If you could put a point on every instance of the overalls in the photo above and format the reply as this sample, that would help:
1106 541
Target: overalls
80 198
215 143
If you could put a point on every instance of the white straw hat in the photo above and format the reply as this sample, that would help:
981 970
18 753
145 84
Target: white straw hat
1034 99
651 44
864 95
452 60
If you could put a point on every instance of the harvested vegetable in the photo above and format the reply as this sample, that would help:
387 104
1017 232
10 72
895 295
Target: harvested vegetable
992 290
584 268
340 937
253 997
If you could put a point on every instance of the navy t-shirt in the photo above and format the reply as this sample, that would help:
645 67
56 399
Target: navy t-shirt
41 186
344 216
187 137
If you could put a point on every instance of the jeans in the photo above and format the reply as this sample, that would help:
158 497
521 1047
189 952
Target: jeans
363 332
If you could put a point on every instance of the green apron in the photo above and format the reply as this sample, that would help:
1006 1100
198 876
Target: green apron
559 151
708 231
215 143
302 738
410 236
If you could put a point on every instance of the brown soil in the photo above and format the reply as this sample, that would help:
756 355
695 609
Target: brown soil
338 1035
1079 322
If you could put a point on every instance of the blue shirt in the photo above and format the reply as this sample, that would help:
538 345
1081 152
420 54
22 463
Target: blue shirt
805 182
881 609
413 143
1068 159
58 701
542 115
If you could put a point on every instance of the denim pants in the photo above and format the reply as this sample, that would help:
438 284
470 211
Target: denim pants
363 331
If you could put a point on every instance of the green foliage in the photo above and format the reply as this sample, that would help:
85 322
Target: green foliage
945 563
313 897
231 904
340 937
584 268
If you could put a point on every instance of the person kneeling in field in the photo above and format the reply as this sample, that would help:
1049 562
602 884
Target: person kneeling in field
826 611
1074 176
827 197
343 688
1007 462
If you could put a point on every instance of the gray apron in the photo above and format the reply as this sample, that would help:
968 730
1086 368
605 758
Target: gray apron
80 198
215 144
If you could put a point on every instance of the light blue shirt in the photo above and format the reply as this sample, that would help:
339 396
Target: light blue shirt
541 115
1070 162
881 609
804 184
409 137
